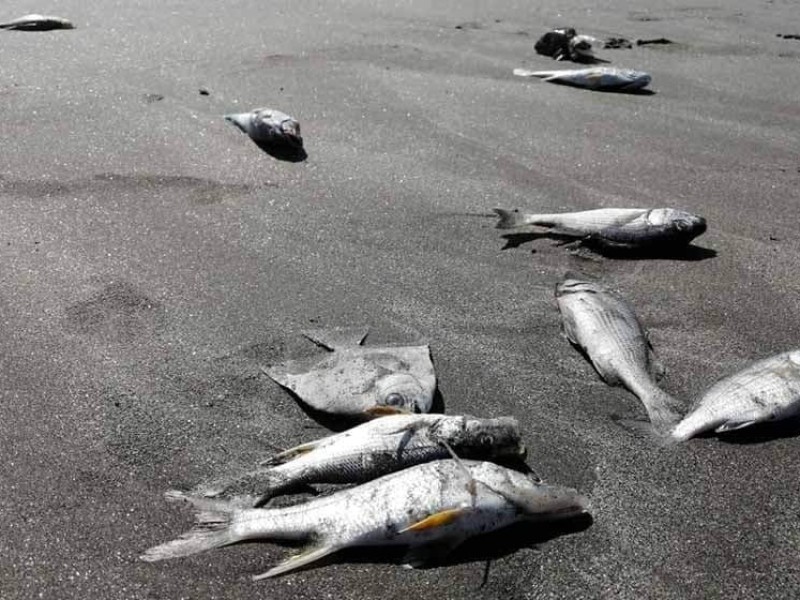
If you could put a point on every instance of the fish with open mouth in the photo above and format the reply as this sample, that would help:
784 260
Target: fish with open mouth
37 23
379 447
593 78
603 325
273 131
430 509
359 382
626 228
767 390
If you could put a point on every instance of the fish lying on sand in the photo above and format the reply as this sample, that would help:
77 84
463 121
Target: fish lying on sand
273 131
566 44
593 78
429 508
603 325
360 382
614 227
767 390
383 446
37 23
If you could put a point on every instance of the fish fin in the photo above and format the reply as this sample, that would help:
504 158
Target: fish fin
509 219
734 425
439 519
383 411
279 373
292 453
212 529
298 561
525 73
338 338
645 429
664 410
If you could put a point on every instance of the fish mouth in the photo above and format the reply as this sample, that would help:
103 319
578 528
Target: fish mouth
236 120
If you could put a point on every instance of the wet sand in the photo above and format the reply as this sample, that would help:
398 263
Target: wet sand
153 259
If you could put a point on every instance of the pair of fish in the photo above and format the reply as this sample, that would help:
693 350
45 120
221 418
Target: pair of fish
594 78
380 447
275 132
605 327
429 509
613 227
37 23
357 383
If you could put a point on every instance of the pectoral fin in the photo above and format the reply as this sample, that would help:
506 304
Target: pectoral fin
298 561
734 425
382 411
338 338
439 519
292 453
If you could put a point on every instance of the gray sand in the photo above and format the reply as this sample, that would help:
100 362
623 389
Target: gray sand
153 258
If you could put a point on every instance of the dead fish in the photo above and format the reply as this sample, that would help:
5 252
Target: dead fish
275 132
360 382
614 227
383 446
603 325
767 390
594 78
429 508
565 44
37 23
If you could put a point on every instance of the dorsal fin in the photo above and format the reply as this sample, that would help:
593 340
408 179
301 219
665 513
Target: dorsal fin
337 338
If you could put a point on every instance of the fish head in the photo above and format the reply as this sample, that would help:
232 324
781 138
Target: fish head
573 284
629 79
400 393
481 438
531 498
683 225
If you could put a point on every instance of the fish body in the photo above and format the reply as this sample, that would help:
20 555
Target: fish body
430 508
273 131
614 227
767 390
593 78
37 23
603 325
383 446
360 382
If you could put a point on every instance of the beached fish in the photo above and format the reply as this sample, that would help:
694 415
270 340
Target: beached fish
382 446
360 382
614 227
429 508
37 23
603 325
767 390
594 78
275 132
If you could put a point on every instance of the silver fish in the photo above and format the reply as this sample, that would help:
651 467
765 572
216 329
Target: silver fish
593 78
429 508
603 325
615 227
383 446
37 23
360 382
767 390
273 131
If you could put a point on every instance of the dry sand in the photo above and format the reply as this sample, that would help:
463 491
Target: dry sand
152 258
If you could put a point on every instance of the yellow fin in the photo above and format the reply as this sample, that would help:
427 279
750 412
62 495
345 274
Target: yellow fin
439 519
382 411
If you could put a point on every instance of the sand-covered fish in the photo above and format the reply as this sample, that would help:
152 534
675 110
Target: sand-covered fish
430 509
593 78
767 390
382 446
37 23
613 227
359 382
273 131
603 325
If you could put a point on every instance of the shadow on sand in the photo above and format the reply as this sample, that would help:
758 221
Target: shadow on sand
284 152
689 252
762 432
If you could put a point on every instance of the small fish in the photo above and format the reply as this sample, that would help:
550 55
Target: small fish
594 78
360 382
429 508
767 390
614 227
275 132
383 446
37 23
603 325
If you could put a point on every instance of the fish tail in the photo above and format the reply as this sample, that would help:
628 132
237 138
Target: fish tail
664 410
267 481
212 529
509 219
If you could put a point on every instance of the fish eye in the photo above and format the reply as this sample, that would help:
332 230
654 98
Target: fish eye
394 399
486 440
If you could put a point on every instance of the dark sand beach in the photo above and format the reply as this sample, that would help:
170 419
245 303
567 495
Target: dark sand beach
152 259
